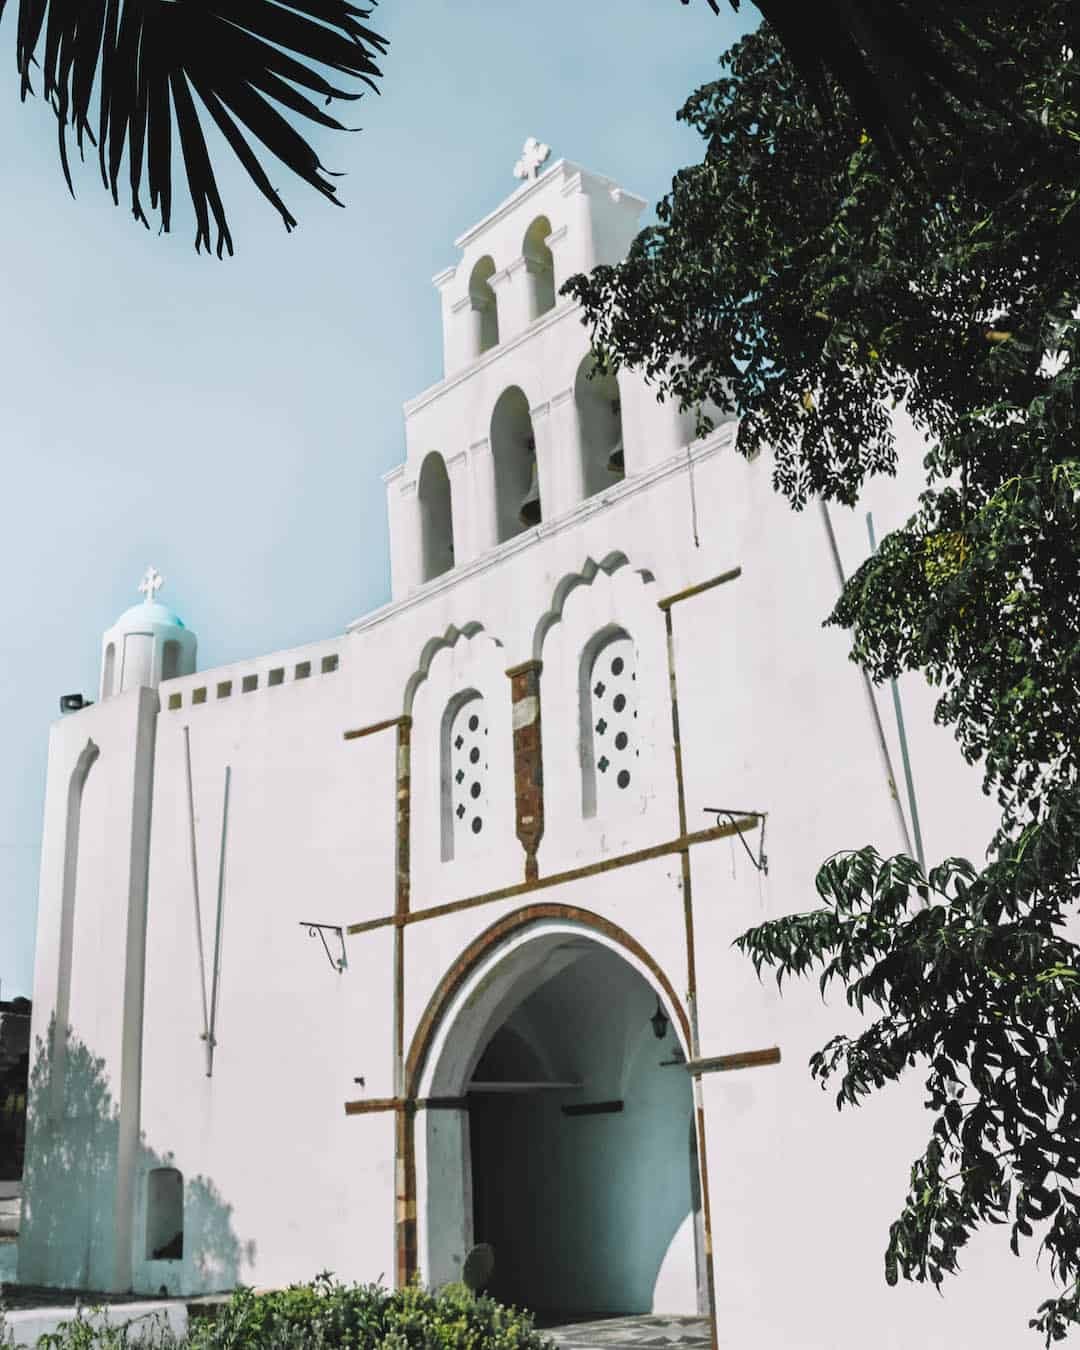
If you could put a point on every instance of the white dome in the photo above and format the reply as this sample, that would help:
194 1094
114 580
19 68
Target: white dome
147 644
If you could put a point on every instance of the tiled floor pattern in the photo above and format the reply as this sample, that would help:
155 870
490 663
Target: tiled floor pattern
633 1333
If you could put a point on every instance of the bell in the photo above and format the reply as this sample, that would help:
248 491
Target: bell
529 514
616 461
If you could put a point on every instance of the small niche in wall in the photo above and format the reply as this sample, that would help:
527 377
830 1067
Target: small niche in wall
329 663
276 676
164 1214
249 683
110 671
175 701
224 689
170 660
303 670
199 695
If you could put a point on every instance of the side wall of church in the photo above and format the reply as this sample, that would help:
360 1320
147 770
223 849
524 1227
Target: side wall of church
775 718
82 1107
270 1166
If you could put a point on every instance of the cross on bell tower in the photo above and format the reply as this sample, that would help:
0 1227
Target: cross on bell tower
151 583
533 154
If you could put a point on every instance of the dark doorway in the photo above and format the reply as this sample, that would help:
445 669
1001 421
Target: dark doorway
581 1174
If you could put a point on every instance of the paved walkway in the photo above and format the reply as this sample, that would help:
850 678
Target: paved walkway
633 1333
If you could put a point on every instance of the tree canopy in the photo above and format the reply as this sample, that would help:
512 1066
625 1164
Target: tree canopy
903 64
798 280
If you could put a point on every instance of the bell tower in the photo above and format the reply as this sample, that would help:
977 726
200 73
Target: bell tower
522 428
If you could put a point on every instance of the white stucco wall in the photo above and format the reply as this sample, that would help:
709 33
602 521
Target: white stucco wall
83 1102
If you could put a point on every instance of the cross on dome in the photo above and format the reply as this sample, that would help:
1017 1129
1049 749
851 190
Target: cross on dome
151 583
533 154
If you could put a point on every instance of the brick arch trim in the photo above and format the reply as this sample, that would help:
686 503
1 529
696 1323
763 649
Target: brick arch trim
498 932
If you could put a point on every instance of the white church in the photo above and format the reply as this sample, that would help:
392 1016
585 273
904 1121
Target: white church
356 956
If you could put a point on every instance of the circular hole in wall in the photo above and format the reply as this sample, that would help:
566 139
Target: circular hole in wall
475 790
474 722
621 740
617 666
477 825
620 702
474 754
623 779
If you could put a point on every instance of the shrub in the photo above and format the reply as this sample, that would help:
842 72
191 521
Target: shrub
325 1313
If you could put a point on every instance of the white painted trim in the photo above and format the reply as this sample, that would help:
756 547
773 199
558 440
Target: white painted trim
413 405
721 439
530 188
526 190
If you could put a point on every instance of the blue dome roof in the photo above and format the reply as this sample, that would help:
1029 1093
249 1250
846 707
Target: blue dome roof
150 611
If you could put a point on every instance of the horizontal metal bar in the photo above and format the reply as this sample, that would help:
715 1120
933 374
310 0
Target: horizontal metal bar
670 600
592 1109
744 1059
375 726
558 878
524 1087
369 1104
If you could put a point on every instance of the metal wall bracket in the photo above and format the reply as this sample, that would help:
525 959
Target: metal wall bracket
338 962
761 862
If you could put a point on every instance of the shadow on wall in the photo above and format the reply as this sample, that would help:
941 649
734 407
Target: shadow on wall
69 1192
14 1068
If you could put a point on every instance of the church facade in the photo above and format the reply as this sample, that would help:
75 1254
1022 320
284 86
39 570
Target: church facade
355 956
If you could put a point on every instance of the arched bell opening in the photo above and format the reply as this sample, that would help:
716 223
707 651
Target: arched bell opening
571 1154
599 410
436 517
513 451
539 266
483 307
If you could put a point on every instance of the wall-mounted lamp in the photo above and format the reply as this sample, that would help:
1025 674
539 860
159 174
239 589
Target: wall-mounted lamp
659 1022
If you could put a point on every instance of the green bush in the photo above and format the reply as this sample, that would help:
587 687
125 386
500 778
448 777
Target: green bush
325 1314
317 1316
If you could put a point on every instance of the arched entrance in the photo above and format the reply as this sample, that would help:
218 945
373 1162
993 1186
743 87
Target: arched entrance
561 1130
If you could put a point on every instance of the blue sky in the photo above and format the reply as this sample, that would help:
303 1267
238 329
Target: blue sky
229 421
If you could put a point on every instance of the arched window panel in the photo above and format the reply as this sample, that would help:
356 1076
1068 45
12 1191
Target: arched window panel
513 452
609 734
599 410
540 267
465 807
436 519
164 1214
484 309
